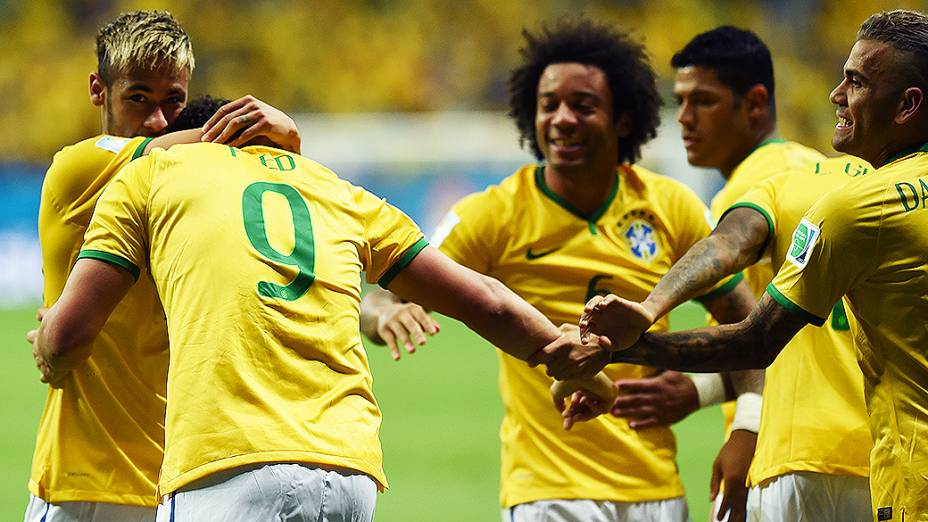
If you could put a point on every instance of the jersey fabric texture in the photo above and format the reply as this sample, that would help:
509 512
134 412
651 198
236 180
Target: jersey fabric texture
867 241
257 256
101 434
814 417
557 258
769 158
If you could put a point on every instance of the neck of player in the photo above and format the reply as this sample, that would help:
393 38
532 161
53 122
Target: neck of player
586 189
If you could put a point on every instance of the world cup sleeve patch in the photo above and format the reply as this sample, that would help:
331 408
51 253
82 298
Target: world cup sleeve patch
884 513
113 144
804 238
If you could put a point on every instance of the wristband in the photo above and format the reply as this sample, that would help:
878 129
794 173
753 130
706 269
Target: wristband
747 412
710 388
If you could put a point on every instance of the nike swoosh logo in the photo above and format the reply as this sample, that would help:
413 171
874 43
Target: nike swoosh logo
535 255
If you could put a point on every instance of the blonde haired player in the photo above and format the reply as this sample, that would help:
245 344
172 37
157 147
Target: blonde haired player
101 434
269 405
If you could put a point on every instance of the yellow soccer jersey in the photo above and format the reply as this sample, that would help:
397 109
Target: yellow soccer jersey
257 256
101 434
814 416
546 251
769 158
868 241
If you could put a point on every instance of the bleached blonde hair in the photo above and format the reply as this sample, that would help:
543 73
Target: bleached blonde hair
142 40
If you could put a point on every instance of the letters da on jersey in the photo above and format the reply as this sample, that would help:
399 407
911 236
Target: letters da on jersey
912 197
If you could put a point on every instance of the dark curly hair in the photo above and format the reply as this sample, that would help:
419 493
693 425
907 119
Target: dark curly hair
197 112
739 57
624 62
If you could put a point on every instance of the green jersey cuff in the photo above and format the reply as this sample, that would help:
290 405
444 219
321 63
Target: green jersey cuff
722 290
406 258
759 209
112 259
793 308
141 149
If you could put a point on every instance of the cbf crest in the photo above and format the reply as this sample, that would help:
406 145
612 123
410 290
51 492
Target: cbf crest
637 227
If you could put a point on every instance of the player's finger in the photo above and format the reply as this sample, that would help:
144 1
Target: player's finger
255 127
635 400
390 341
588 307
401 335
725 505
604 302
40 313
649 385
645 423
216 123
236 121
31 335
413 328
716 481
429 324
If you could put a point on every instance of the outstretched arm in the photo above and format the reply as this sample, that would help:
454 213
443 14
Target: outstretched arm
752 343
482 303
64 338
736 243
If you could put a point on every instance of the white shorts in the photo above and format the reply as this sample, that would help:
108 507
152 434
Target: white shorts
804 496
41 511
282 492
670 510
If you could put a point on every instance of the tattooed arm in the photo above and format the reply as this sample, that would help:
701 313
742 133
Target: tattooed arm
736 243
752 343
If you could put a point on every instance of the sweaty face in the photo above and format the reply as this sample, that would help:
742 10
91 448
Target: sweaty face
144 103
714 122
866 100
574 124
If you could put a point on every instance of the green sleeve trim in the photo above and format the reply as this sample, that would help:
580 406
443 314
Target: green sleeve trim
141 149
722 290
403 262
763 212
793 307
112 259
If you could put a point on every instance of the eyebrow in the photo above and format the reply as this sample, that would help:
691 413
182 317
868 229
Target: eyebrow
855 74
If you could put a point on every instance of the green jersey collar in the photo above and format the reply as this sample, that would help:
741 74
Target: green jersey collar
905 152
590 219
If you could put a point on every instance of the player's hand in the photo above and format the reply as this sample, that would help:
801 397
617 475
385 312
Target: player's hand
619 320
663 399
238 122
405 324
588 398
47 373
567 358
732 466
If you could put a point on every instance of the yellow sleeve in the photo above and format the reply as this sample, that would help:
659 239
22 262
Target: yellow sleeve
392 239
693 222
763 199
73 182
468 234
118 231
833 247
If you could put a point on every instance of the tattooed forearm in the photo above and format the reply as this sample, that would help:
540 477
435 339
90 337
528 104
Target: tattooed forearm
750 344
735 244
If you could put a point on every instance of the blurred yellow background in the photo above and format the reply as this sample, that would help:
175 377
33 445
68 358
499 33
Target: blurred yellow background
380 55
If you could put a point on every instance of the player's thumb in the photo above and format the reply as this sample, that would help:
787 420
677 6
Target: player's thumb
716 482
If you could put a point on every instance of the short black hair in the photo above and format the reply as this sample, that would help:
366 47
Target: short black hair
624 62
907 31
197 112
739 57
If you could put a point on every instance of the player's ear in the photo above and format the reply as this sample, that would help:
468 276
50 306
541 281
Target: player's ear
911 103
97 90
758 100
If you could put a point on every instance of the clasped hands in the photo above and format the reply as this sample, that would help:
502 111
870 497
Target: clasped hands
577 357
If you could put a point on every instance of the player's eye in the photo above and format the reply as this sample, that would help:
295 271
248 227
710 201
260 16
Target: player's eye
138 98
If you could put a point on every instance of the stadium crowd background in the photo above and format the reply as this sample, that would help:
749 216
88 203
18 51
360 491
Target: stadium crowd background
360 76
